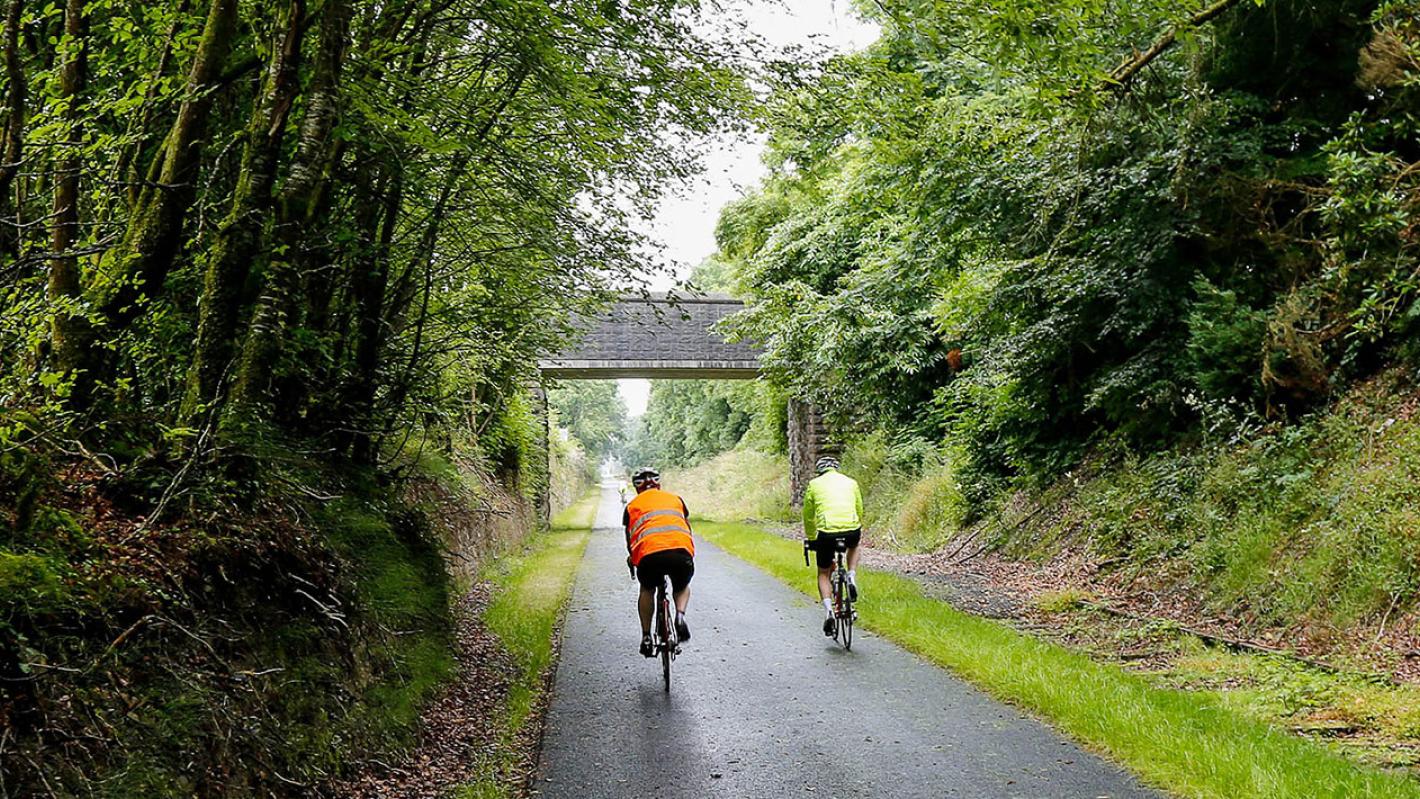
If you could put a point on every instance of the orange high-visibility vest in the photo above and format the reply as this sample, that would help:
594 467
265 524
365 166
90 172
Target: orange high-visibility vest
656 522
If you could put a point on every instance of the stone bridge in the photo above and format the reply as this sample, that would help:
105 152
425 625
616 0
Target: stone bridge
659 337
664 337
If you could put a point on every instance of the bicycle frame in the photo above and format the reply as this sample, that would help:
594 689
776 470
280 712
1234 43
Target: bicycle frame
843 611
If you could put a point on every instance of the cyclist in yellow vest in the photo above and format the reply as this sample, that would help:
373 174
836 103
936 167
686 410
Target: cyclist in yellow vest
833 508
659 545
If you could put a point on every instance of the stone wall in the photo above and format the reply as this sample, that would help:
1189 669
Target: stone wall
809 439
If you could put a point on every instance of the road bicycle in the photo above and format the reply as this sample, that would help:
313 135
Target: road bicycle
843 612
663 633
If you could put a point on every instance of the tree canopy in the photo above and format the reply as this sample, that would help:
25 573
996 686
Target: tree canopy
353 224
1025 228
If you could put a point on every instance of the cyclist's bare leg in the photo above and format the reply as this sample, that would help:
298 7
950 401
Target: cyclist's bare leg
853 559
682 598
644 605
825 583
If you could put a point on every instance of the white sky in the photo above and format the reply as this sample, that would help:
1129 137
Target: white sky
685 220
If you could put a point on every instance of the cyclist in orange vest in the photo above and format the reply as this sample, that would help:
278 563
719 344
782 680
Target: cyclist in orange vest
659 545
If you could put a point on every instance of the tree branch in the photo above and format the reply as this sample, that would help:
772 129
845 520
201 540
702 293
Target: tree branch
1120 76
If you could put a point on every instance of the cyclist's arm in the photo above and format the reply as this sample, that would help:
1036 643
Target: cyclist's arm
809 512
858 501
686 511
626 525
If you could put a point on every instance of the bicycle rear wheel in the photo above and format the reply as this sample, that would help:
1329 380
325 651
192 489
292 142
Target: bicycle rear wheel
844 607
667 638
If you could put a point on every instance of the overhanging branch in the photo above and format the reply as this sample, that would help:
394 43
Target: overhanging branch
1121 75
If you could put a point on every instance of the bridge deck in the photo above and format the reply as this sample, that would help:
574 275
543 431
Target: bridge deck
657 337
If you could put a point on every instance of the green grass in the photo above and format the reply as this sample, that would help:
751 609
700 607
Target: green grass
531 590
1188 743
739 484
1377 721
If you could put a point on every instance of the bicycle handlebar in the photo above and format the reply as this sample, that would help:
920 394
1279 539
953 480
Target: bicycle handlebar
806 552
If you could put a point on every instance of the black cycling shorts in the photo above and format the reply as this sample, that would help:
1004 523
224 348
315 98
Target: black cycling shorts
824 546
675 563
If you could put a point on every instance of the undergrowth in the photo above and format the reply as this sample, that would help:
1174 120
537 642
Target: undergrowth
743 483
291 632
1309 525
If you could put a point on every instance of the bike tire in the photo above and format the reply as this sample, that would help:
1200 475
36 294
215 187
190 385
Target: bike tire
667 640
844 606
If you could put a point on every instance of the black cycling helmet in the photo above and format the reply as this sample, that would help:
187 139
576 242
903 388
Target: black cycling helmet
825 463
646 477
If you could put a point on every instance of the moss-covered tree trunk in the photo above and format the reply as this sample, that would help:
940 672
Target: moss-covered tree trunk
70 329
241 237
370 285
150 244
14 131
300 200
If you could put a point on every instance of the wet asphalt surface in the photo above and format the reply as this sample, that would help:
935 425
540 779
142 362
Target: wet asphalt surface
762 704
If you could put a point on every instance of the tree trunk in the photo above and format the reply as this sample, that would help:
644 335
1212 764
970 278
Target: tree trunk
300 198
150 244
239 239
130 158
14 133
70 330
370 289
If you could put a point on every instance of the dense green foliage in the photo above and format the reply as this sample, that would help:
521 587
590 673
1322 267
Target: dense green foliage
687 421
349 222
987 229
593 412
240 237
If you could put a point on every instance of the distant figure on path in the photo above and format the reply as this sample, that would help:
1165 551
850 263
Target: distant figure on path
833 508
658 544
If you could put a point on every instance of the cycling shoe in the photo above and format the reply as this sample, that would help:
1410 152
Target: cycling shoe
829 627
682 630
647 648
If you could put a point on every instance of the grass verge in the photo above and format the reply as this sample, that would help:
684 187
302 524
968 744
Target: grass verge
1188 743
531 590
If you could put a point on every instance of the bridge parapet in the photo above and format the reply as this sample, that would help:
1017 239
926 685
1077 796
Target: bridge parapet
658 337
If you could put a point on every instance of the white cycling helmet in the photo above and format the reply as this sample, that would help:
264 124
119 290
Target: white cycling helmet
646 477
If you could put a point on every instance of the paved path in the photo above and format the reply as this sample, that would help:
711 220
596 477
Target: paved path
763 705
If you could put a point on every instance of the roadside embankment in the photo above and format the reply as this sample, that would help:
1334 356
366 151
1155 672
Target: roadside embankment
297 626
478 734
